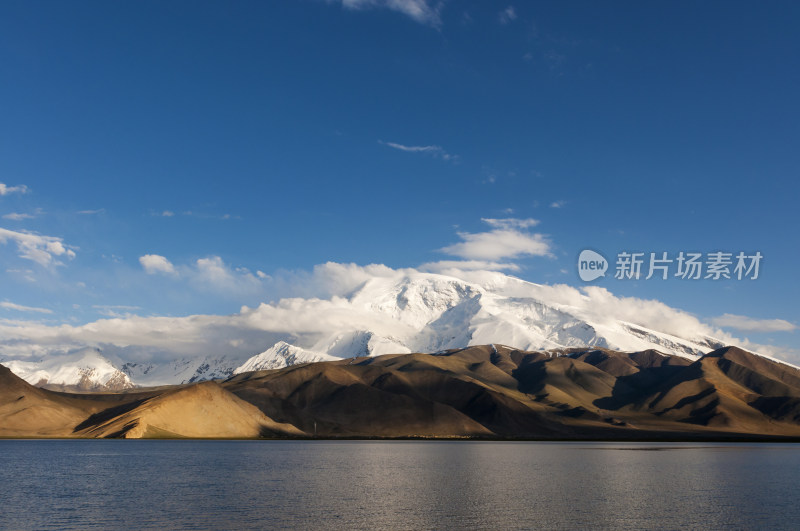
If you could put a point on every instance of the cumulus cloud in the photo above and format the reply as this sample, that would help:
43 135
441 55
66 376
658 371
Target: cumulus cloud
212 273
19 189
37 248
507 240
20 308
748 324
558 204
646 312
421 11
154 264
436 151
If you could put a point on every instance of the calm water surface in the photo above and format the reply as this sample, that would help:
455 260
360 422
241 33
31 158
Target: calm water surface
396 485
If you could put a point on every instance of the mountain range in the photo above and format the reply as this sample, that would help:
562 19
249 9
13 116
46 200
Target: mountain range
402 312
488 391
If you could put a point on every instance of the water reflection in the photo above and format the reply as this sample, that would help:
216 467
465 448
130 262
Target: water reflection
395 485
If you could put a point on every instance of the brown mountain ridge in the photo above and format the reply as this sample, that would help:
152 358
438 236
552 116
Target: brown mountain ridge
489 391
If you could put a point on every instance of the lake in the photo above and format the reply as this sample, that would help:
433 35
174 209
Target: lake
109 484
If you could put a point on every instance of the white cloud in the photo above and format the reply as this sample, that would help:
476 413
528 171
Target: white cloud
646 312
115 307
193 214
419 10
748 324
19 189
558 204
38 248
208 274
20 308
212 273
507 15
154 264
507 240
92 212
115 310
247 332
436 151
510 223
414 149
326 280
15 216
155 339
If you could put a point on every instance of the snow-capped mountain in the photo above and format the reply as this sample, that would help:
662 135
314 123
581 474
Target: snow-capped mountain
182 370
86 370
424 312
281 355
388 311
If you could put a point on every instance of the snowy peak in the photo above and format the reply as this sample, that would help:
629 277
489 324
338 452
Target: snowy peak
280 355
360 343
84 370
415 300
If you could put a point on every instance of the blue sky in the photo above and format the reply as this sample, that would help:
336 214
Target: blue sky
229 143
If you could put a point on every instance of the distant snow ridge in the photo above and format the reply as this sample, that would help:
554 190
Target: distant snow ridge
281 355
86 370
182 370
